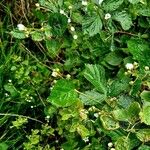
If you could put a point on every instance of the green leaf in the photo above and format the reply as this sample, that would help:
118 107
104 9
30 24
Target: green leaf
53 47
3 146
134 1
124 18
145 95
63 94
114 58
58 23
144 147
10 88
109 122
129 114
145 115
92 98
18 34
83 131
92 25
36 36
96 75
123 143
111 5
143 135
140 51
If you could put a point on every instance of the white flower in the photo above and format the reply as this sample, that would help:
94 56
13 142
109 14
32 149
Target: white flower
32 106
62 12
75 36
21 27
86 139
37 5
110 144
146 68
9 81
96 115
70 7
100 1
107 16
69 20
112 149
84 3
6 94
72 28
55 74
68 76
47 117
129 66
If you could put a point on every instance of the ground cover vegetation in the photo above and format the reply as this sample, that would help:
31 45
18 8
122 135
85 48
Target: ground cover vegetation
74 75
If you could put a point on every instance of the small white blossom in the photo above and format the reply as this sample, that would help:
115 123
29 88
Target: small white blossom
55 74
72 28
54 81
86 139
32 106
131 82
107 16
6 94
110 144
47 117
112 149
84 3
70 7
100 1
69 20
37 5
96 115
146 68
129 66
21 27
75 36
68 76
9 81
62 12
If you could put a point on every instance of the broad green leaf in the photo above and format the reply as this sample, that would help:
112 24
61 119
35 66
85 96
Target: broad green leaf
92 98
3 146
136 87
18 34
144 147
129 114
83 131
114 58
11 89
58 23
143 135
36 36
122 143
145 95
53 47
140 51
63 94
143 10
124 18
145 115
92 25
108 122
134 1
111 5
96 75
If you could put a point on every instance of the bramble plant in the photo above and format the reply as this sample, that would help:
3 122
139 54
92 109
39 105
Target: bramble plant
75 75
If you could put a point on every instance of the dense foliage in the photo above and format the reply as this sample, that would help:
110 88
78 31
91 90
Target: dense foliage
75 75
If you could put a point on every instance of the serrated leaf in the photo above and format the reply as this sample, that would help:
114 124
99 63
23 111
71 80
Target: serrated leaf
134 1
63 94
145 95
36 36
145 115
53 47
144 147
96 75
143 135
111 5
123 143
83 131
124 18
108 122
92 98
140 51
18 34
92 25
